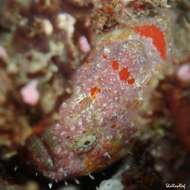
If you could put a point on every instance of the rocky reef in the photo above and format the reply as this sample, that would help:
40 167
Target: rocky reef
94 94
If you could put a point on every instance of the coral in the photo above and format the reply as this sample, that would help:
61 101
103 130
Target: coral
31 51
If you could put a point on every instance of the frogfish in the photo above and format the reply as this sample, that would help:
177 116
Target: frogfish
98 123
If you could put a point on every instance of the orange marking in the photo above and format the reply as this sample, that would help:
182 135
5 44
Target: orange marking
152 31
105 56
94 91
115 65
85 102
124 74
108 10
131 81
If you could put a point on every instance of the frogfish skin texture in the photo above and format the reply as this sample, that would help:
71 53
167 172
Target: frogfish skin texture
99 120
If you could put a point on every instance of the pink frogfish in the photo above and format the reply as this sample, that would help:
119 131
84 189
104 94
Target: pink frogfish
99 121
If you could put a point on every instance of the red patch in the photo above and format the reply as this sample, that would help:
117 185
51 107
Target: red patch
104 56
152 31
131 81
115 65
108 10
94 91
124 74
138 6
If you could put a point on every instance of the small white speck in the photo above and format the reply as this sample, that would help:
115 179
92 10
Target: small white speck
183 73
106 50
50 185
47 26
30 94
91 177
66 22
15 168
77 181
107 155
84 44
66 183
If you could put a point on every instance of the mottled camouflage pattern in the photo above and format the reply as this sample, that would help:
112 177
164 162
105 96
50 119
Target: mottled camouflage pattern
99 121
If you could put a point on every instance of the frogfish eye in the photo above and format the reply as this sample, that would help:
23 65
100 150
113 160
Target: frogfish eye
84 143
